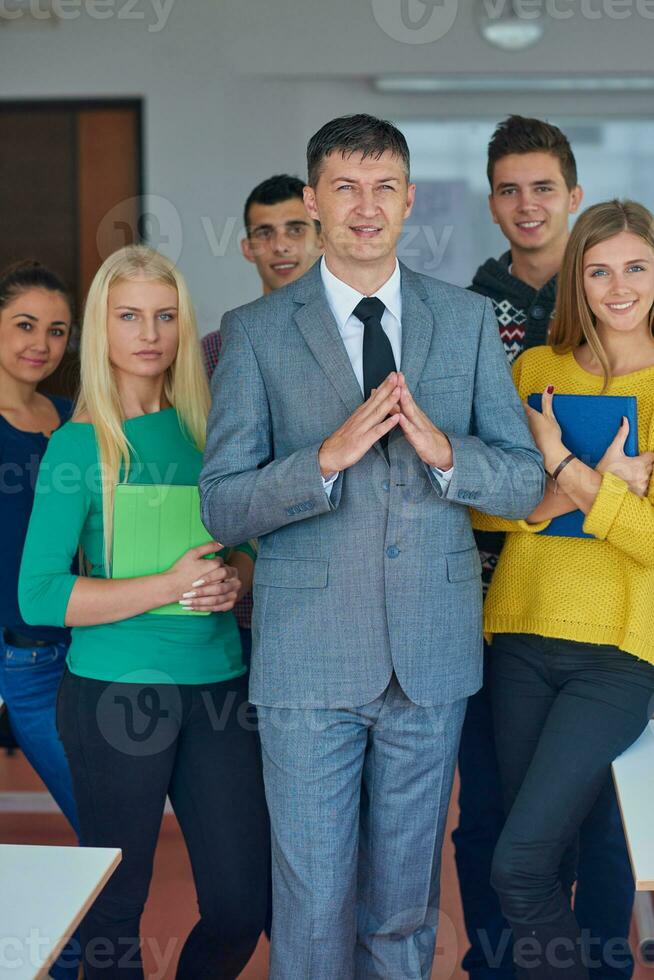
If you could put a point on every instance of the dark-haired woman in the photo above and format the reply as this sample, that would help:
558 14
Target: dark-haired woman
35 322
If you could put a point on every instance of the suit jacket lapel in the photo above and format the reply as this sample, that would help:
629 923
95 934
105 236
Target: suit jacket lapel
417 329
318 327
417 332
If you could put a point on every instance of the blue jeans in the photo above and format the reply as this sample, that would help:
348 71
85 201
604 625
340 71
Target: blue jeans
605 887
29 680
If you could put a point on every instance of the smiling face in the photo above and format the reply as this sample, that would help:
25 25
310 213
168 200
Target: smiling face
282 242
142 327
531 202
361 204
34 331
618 277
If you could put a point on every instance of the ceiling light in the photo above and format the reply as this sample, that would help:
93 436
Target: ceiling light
506 29
418 84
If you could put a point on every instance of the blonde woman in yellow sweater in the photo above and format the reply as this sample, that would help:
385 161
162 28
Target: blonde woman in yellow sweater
570 619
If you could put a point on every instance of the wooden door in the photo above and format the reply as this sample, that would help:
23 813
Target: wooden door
70 186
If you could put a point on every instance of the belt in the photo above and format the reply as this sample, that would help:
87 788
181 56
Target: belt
22 641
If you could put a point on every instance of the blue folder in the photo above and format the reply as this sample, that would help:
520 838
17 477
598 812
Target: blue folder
589 424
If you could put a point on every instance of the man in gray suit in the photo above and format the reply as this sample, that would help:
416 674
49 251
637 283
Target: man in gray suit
361 410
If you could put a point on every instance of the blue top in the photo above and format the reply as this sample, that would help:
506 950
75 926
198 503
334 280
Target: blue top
20 457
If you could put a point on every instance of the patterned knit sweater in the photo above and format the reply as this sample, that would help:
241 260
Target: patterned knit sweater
523 313
523 317
597 590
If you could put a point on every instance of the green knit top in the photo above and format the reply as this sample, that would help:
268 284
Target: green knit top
67 513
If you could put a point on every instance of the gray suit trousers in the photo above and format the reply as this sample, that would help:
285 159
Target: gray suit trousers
358 801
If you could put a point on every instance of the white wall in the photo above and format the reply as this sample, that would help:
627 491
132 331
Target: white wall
232 90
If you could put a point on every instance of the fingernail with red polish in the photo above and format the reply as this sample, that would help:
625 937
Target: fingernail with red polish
550 389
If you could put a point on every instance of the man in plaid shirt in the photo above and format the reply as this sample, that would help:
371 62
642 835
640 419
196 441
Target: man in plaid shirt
283 242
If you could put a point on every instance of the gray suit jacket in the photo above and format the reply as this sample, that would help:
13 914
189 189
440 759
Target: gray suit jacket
385 575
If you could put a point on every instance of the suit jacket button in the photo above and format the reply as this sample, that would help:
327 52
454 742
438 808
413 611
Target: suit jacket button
392 551
386 485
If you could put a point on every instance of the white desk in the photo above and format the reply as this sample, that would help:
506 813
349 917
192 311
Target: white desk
44 894
633 774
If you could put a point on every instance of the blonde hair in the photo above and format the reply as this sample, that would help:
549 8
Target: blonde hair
574 321
185 383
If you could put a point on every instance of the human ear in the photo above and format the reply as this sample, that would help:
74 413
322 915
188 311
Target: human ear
246 249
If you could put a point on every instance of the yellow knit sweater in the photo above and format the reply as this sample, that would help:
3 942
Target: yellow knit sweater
598 590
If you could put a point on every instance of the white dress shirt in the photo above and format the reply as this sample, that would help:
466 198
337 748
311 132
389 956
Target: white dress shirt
342 300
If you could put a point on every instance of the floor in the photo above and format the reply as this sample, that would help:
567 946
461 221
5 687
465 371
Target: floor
170 911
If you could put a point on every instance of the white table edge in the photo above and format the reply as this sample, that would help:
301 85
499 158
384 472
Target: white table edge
641 884
77 918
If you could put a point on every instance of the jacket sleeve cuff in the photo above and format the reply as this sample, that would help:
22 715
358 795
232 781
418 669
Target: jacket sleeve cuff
599 519
442 477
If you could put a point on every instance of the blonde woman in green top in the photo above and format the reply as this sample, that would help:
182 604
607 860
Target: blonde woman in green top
150 705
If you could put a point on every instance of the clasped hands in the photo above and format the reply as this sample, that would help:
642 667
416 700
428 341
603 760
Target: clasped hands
546 431
204 584
389 405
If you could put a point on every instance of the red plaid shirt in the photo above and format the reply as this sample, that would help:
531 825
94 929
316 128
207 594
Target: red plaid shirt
212 345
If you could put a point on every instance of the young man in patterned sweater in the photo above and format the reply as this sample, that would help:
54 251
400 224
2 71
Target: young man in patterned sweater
533 191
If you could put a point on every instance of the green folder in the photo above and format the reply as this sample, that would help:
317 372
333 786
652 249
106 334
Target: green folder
154 525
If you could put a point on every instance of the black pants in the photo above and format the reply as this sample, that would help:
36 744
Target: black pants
130 745
563 711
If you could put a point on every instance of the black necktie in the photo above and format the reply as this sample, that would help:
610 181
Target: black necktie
378 360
